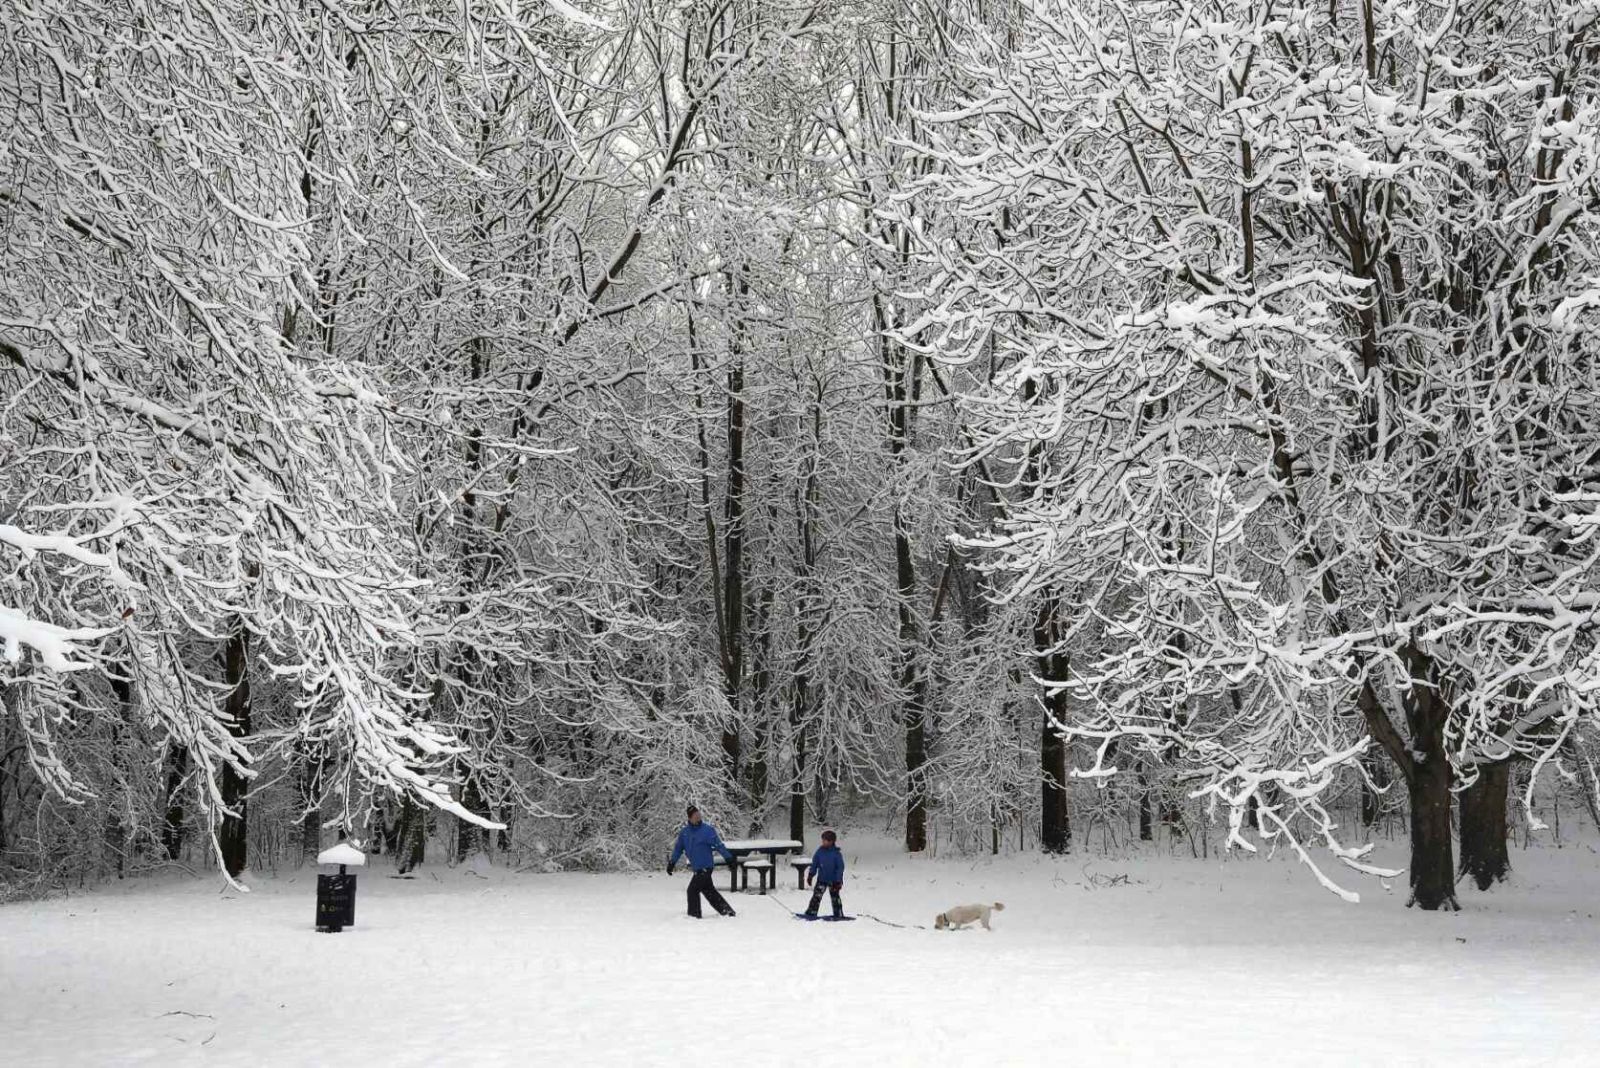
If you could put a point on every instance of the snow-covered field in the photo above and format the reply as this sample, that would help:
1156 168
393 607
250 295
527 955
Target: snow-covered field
1190 961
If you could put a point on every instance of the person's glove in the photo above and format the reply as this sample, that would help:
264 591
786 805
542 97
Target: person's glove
810 879
670 868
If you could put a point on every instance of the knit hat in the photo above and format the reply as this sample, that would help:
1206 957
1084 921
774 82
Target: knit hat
829 836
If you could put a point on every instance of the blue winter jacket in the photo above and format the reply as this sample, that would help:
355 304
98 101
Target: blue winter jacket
698 842
827 864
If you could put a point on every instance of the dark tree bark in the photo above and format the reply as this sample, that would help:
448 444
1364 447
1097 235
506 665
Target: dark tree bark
1425 767
1146 804
913 683
413 837
1055 828
9 750
5 755
1429 781
232 836
1484 831
805 618
1432 870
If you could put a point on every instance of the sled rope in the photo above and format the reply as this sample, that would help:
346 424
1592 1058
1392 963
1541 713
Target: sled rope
891 923
864 915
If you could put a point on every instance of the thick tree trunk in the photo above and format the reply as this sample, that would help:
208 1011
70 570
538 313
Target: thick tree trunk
800 707
1484 855
797 792
1433 872
232 836
1055 829
1146 809
1428 777
799 717
913 684
413 837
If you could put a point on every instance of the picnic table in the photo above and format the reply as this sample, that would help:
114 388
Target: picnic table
744 847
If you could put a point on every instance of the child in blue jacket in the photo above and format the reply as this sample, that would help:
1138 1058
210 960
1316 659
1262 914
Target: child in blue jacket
827 870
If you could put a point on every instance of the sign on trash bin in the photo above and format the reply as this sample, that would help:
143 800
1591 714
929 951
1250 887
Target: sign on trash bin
336 894
336 902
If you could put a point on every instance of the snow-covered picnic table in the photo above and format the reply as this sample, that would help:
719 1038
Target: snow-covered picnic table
743 847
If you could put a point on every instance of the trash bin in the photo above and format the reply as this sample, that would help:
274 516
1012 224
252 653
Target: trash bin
336 894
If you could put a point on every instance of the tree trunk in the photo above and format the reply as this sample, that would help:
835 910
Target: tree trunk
797 792
799 717
232 835
1428 779
1484 855
413 837
800 708
914 685
733 515
1146 807
1432 867
1055 829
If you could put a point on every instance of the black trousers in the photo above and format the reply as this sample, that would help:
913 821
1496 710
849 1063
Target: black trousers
833 896
701 884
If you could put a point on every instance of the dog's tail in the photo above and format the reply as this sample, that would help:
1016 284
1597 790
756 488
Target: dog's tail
999 906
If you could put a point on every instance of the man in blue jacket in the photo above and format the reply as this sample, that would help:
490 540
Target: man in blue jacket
699 839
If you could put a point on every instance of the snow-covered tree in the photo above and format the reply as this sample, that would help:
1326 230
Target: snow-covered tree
1283 300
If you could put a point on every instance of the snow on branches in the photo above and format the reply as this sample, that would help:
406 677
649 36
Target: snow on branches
1281 296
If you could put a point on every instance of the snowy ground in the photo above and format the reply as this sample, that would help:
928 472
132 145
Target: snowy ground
1193 961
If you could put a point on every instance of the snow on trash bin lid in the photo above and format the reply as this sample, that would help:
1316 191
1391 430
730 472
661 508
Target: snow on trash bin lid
343 853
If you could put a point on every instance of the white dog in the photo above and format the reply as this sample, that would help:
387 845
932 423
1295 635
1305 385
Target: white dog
961 915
